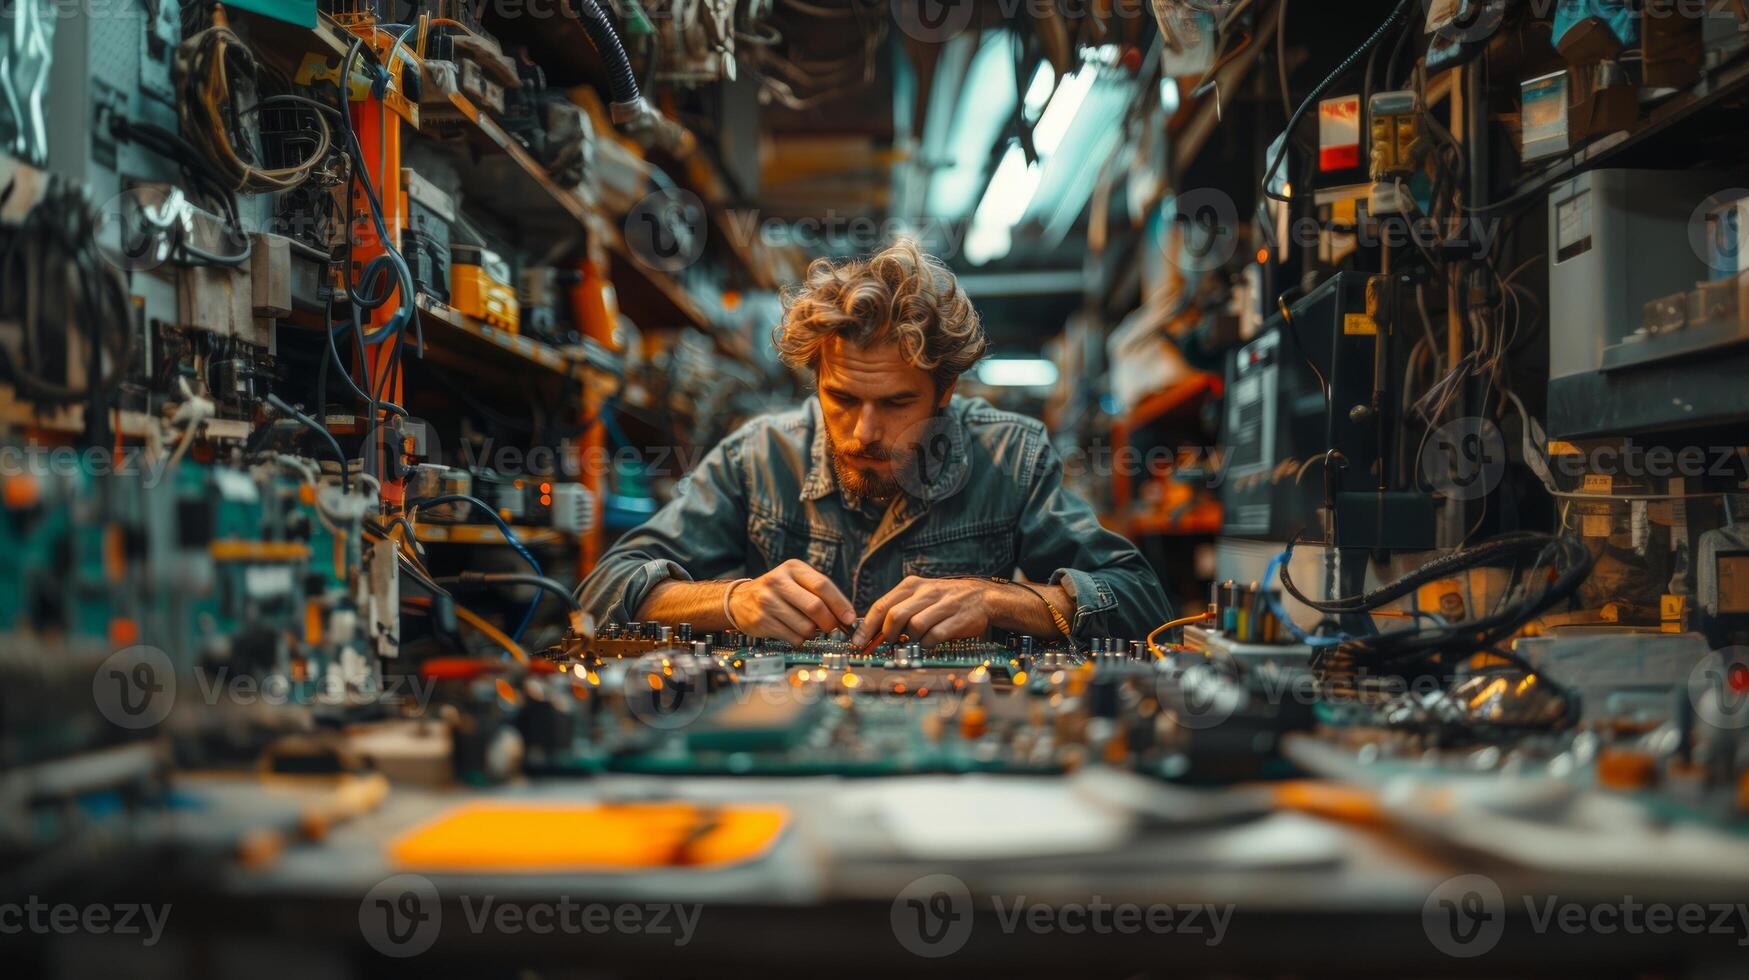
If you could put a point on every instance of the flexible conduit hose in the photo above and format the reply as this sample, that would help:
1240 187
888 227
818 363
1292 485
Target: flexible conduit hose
621 83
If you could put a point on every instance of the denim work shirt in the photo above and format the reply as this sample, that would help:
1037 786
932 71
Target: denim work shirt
994 503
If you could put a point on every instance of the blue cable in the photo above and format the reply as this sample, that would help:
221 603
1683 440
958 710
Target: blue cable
391 259
1280 612
509 536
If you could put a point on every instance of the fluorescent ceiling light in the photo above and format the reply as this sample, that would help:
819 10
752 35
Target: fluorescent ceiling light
1104 54
1062 109
985 243
962 137
1018 372
1005 201
1038 93
1011 189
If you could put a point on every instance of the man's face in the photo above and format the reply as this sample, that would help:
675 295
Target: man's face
873 402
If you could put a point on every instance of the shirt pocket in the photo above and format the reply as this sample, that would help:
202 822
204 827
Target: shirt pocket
776 541
984 554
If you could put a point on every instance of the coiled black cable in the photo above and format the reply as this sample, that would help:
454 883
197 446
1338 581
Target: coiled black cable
621 82
55 278
319 429
481 580
1486 553
1391 652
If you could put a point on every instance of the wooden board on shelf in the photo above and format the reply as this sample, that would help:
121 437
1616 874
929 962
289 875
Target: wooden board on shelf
68 420
1187 395
470 339
651 297
510 183
489 534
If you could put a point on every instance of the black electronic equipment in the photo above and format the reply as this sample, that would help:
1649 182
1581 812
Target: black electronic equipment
1274 416
1311 419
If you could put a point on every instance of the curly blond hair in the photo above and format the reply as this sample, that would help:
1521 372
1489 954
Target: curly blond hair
899 295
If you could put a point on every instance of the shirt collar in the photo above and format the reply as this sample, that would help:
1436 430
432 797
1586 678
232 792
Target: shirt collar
948 477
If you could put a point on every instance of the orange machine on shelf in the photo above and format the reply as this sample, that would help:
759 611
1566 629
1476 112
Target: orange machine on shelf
479 287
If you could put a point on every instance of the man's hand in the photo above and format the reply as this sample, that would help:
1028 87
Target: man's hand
931 611
790 603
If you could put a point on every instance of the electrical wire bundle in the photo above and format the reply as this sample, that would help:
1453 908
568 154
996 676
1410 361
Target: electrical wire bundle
799 82
412 565
55 279
538 579
1444 643
1317 93
383 278
217 78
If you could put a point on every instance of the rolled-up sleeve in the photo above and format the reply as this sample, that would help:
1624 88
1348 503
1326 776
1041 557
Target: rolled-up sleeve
1116 591
700 534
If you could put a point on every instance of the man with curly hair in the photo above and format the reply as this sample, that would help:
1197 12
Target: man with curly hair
885 498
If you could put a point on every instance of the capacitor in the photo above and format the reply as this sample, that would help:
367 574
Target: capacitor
665 634
684 631
1234 601
1102 697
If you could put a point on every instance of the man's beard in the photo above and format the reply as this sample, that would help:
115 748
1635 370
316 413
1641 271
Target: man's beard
861 483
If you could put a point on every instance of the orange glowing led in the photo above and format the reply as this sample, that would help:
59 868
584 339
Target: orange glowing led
21 492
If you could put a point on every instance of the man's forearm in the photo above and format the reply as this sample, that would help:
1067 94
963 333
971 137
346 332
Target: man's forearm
697 603
1017 609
